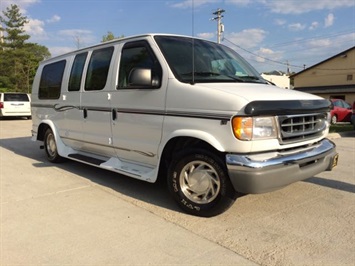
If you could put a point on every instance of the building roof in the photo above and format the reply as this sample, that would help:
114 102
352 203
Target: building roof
329 89
326 60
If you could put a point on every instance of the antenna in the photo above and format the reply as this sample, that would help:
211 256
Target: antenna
220 26
193 43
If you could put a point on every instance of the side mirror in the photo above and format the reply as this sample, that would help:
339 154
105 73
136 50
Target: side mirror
142 77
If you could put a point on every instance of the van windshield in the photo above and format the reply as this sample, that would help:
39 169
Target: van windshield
195 60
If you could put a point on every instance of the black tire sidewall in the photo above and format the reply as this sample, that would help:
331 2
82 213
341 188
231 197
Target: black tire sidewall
225 196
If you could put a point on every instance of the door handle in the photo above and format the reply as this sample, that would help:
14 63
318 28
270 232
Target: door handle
114 114
85 112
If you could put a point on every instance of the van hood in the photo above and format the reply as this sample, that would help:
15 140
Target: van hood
259 92
230 98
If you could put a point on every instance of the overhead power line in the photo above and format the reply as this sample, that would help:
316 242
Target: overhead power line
345 32
283 63
265 58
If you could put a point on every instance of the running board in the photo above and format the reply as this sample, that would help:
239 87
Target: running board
86 159
114 164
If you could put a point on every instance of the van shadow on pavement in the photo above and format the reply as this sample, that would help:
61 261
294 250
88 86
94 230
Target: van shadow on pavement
330 183
156 194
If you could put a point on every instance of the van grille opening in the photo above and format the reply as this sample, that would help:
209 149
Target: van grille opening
301 127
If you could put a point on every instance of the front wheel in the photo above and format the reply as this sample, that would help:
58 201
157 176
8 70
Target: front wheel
50 146
334 119
199 183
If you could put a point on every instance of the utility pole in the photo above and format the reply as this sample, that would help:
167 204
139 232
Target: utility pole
288 68
220 26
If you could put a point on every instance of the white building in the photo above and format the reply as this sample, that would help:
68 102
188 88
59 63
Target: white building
279 79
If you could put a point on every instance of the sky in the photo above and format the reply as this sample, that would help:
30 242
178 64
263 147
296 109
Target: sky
270 34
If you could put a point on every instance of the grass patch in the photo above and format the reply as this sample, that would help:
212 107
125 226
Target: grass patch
341 128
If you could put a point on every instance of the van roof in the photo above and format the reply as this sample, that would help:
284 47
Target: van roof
116 41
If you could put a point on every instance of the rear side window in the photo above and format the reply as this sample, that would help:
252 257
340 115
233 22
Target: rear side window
77 72
16 97
99 66
51 80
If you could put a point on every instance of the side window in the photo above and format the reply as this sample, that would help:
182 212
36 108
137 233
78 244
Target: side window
99 65
338 104
346 105
77 72
137 55
51 80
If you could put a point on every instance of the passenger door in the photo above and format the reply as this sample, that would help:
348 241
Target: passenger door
139 108
73 135
96 110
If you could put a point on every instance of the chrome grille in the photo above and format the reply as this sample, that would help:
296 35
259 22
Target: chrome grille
301 127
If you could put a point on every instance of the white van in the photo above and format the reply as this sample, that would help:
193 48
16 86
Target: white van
15 104
183 109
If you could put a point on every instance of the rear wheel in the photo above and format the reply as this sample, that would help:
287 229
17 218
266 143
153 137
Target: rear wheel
50 147
199 183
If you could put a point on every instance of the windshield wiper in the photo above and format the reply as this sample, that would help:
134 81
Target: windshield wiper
201 73
252 78
210 74
236 78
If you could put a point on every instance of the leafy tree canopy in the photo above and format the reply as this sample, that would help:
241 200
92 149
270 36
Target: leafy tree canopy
18 58
110 36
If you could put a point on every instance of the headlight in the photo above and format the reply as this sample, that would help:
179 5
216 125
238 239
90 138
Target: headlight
254 128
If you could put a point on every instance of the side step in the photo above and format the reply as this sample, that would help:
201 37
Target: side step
140 172
86 159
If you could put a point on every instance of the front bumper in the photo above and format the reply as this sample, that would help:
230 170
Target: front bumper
353 119
260 173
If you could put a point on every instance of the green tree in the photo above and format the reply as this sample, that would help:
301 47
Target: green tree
110 36
15 36
18 59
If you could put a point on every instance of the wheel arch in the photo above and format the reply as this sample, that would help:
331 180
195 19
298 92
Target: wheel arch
178 142
63 150
42 128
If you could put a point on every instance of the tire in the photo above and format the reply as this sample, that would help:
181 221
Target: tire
199 183
334 119
50 146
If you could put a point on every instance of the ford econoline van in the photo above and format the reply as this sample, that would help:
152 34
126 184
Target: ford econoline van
183 109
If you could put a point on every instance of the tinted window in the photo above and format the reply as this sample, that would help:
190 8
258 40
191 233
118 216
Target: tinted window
337 103
77 72
99 66
194 60
137 55
346 105
51 80
16 97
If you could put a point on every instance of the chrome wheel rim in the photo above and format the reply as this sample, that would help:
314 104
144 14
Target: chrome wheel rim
51 145
200 182
334 120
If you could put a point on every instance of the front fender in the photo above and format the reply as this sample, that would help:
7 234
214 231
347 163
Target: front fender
197 134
